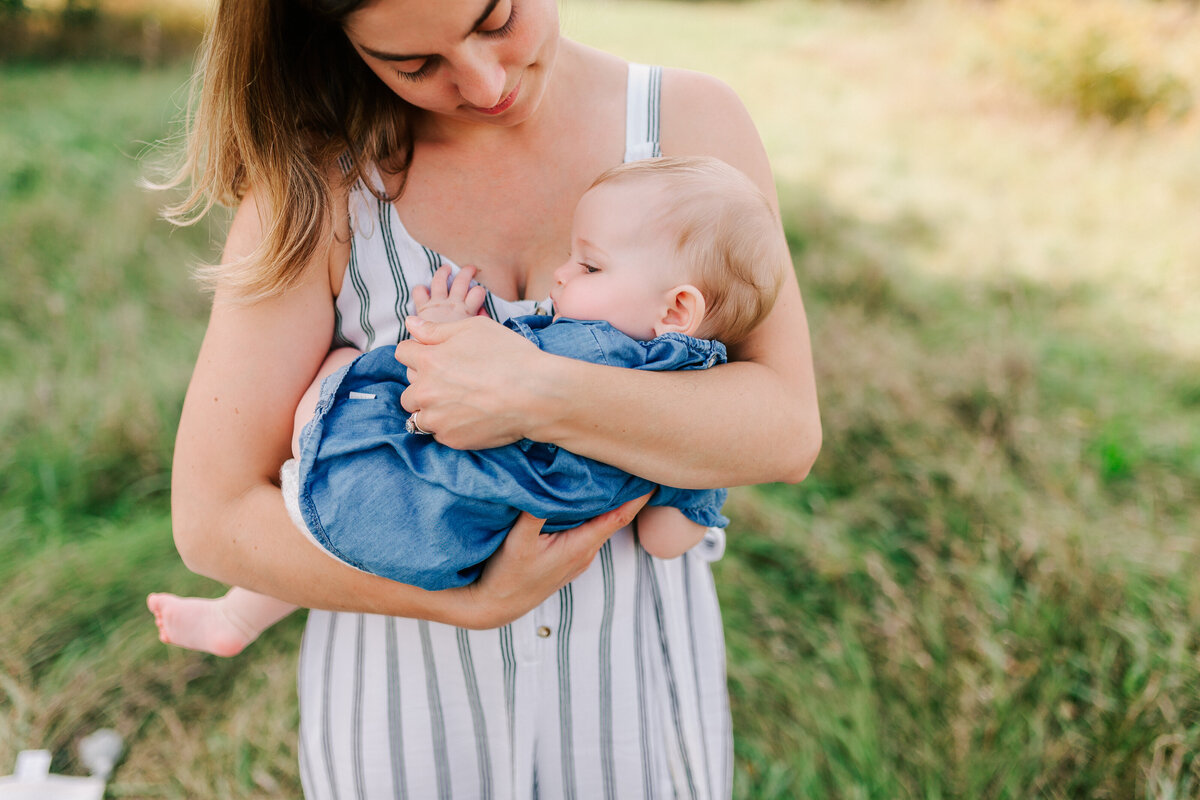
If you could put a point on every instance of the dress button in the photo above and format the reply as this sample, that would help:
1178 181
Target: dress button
543 631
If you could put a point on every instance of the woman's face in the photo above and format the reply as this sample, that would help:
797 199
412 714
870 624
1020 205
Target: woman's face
485 61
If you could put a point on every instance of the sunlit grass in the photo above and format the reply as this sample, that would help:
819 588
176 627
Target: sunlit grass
907 117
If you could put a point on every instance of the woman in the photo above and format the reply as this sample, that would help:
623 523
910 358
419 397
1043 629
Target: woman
477 127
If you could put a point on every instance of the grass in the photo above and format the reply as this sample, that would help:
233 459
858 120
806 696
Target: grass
1111 60
985 588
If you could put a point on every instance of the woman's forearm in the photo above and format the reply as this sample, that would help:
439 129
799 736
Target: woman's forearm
726 426
750 421
250 541
753 420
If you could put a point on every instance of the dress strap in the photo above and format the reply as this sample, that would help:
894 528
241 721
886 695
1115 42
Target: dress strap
642 105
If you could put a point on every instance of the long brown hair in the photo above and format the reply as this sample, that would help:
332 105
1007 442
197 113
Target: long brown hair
281 102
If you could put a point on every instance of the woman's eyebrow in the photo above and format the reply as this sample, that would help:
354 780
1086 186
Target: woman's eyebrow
487 12
382 56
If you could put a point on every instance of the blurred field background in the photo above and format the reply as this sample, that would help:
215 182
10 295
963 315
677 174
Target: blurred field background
985 589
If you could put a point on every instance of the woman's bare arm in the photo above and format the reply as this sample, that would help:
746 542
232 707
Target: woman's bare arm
229 519
751 421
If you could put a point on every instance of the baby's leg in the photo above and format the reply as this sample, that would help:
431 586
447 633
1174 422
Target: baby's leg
225 625
222 626
308 403
666 533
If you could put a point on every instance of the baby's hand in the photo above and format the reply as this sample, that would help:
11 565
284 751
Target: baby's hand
449 303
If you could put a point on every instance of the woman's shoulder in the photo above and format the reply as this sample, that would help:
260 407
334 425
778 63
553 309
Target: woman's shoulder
258 212
698 92
596 71
684 91
703 115
700 114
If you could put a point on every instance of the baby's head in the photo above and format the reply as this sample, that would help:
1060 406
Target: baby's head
673 244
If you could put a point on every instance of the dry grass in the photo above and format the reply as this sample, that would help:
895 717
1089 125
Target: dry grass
980 592
1114 59
904 118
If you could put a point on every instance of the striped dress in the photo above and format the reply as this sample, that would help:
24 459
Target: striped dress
612 688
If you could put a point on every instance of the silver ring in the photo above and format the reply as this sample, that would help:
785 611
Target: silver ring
411 425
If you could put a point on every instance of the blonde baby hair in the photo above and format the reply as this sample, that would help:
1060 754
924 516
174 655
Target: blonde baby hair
725 233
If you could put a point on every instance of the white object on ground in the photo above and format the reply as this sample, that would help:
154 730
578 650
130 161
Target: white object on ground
31 779
100 751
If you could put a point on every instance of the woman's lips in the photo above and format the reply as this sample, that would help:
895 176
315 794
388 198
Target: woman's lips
504 104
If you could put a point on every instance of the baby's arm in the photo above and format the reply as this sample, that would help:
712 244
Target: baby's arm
308 402
666 533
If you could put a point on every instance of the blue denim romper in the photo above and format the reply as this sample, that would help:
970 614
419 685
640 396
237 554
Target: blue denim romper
406 507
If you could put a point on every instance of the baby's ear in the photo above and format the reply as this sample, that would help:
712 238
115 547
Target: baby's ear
683 311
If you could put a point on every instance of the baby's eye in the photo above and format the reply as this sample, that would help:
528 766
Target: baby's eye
589 269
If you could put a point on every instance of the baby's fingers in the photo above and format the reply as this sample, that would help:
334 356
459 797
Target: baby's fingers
474 300
462 283
437 285
420 295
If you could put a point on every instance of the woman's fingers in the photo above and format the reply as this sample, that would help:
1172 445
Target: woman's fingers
595 532
526 529
425 332
531 566
464 380
589 537
571 551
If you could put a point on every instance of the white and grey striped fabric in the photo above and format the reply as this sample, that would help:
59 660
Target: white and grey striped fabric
614 688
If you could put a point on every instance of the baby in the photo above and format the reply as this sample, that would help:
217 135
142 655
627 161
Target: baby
667 256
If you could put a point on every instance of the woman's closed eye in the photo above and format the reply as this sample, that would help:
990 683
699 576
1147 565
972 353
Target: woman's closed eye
420 72
504 29
428 65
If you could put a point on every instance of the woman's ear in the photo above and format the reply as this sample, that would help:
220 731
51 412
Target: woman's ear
683 313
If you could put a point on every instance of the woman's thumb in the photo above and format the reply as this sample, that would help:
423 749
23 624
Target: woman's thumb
427 332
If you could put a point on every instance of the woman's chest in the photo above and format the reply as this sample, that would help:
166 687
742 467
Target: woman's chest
511 220
515 240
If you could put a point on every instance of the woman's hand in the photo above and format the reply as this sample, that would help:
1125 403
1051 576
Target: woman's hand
530 566
472 383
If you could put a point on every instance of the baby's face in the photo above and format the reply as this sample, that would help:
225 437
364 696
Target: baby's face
622 265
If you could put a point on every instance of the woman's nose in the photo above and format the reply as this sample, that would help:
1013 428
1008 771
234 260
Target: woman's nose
480 80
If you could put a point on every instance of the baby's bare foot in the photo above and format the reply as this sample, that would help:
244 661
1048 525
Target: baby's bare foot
198 623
